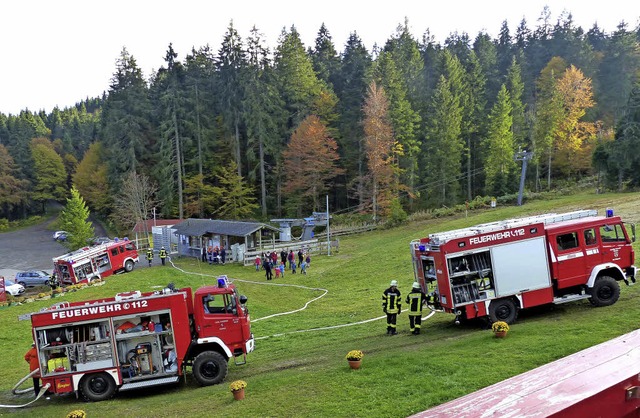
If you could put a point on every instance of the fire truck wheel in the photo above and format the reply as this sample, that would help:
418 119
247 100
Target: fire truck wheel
209 368
605 291
503 310
128 266
97 387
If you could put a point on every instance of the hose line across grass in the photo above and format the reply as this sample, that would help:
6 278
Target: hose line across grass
325 292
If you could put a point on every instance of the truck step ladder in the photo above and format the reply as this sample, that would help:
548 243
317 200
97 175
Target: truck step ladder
240 363
148 383
549 218
569 298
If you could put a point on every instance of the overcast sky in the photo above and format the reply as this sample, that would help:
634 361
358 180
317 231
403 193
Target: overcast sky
61 52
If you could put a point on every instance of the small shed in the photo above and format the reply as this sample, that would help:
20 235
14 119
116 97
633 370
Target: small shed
236 237
156 233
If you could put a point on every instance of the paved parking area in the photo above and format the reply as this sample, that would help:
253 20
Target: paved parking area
31 248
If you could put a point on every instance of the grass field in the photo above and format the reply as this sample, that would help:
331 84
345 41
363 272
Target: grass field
298 370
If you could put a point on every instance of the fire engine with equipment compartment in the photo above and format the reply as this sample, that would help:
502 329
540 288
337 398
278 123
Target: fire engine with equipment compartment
89 263
136 340
498 268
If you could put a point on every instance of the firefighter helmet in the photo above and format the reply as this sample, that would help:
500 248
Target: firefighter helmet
416 285
394 283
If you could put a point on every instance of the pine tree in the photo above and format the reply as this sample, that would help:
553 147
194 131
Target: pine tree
351 87
13 191
236 199
74 219
231 64
499 147
443 147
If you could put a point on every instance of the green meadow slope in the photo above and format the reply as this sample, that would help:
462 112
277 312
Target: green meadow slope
299 369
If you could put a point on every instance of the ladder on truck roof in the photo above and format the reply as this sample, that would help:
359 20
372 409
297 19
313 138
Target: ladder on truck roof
84 252
439 238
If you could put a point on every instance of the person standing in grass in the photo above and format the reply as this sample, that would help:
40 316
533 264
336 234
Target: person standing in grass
31 357
391 306
149 255
416 300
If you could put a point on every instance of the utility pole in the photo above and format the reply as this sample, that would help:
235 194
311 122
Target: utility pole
328 234
523 156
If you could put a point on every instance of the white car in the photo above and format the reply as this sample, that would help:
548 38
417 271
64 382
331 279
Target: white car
13 288
60 235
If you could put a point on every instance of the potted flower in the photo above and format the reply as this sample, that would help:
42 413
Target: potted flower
237 389
500 329
354 357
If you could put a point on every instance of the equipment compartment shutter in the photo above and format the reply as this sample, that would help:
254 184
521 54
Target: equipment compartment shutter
520 266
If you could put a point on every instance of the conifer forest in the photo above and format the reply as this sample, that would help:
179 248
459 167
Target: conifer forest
244 131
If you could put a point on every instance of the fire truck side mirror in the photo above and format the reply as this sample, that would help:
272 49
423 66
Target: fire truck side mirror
243 299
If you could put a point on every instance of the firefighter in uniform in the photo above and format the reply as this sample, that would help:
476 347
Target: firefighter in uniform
391 306
149 256
163 255
416 299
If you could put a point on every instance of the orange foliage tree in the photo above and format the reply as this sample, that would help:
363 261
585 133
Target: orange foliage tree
310 162
381 150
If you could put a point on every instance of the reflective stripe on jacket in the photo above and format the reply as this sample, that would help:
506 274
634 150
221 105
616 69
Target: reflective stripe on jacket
391 300
416 300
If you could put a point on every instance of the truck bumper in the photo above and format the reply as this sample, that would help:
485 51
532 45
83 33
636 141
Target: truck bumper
250 345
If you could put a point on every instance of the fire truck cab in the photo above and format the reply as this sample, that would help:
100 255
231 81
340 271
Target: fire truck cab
497 268
137 340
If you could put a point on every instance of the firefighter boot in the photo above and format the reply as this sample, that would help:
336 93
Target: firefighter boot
393 331
417 331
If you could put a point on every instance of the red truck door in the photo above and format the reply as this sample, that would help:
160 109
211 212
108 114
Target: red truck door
613 244
570 259
221 318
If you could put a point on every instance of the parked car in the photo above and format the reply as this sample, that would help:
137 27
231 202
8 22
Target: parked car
33 278
13 288
99 240
60 235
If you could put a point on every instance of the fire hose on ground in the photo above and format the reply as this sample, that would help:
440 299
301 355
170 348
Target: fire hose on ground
17 391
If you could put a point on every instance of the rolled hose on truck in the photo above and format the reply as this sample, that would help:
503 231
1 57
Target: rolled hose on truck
17 391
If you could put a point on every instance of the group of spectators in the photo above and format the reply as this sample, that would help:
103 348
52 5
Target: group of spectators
214 255
270 264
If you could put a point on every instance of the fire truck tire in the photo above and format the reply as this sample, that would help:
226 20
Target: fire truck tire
97 387
128 266
209 368
605 291
503 310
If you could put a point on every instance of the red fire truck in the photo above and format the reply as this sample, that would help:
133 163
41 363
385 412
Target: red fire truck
497 268
137 340
89 263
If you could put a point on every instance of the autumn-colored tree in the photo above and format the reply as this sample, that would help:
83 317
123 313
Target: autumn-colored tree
310 161
381 149
235 198
91 181
75 220
574 138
